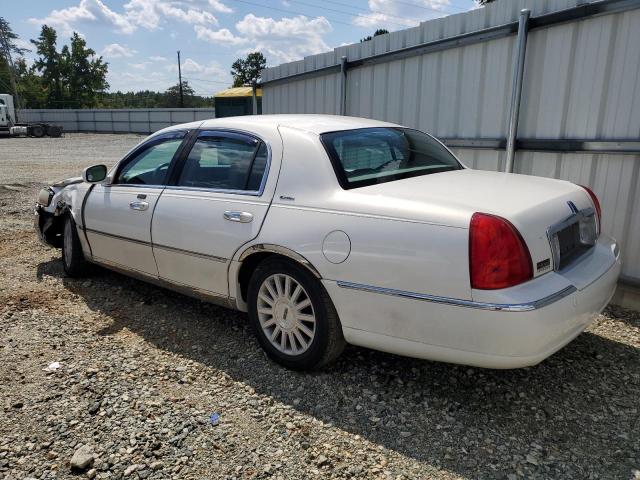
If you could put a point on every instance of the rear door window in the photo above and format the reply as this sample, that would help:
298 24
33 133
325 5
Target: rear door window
224 161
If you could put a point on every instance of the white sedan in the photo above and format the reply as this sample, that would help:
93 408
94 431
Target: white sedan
330 229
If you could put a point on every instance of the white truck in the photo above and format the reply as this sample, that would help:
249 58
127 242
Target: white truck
9 125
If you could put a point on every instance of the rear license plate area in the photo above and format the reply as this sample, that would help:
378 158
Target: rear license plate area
569 244
572 238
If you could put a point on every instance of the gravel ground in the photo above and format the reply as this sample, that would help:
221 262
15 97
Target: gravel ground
141 371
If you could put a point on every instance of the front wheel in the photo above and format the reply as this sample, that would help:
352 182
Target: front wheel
73 261
293 316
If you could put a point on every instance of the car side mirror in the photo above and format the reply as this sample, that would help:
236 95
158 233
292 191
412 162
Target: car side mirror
94 174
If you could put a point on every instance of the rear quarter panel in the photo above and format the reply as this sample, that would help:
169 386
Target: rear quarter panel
397 253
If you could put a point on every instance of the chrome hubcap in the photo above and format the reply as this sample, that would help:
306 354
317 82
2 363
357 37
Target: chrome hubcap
286 314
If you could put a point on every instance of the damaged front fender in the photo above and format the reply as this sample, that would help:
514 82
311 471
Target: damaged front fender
48 226
54 203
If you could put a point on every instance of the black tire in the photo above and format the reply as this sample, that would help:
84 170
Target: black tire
73 261
328 341
54 131
37 131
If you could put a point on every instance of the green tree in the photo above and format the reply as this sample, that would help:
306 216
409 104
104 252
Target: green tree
380 31
85 74
31 91
8 47
73 77
150 99
247 70
5 76
173 95
49 67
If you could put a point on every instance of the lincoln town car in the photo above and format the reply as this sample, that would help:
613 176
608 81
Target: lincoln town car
330 230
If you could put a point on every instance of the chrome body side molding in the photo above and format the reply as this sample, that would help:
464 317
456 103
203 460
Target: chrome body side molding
193 254
119 237
162 247
458 302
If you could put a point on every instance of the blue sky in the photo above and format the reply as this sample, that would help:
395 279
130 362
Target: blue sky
139 38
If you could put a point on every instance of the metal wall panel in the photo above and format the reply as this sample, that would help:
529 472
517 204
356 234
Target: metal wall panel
581 80
116 120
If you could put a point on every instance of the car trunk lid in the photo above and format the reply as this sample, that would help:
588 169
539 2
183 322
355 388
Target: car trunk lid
542 209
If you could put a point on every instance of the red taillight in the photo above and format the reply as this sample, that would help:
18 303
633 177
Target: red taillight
498 256
596 204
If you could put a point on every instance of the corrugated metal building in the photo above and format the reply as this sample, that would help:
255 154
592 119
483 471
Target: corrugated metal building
453 77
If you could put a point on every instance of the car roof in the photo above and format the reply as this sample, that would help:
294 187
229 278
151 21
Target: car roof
312 123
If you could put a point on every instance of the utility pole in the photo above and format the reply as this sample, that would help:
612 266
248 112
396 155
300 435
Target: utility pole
180 81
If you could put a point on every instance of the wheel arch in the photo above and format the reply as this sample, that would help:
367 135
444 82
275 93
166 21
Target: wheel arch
252 256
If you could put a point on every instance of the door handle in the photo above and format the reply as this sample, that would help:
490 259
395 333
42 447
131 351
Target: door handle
139 205
242 217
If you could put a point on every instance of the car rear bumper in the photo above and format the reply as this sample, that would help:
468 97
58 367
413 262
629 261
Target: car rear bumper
509 329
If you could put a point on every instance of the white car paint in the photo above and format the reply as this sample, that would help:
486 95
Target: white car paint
107 210
393 257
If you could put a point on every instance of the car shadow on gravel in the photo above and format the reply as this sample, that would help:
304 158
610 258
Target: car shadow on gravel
576 414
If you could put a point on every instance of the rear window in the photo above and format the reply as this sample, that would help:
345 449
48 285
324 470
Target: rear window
369 156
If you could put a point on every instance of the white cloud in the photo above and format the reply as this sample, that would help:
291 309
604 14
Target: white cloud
67 19
158 58
191 16
391 13
218 6
213 70
223 36
148 14
139 66
283 40
115 50
286 39
191 66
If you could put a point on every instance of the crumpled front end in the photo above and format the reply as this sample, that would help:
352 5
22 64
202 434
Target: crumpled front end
48 219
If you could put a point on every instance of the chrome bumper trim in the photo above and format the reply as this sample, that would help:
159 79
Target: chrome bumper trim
458 302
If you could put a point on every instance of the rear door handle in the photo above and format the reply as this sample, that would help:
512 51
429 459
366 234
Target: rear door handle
139 205
242 217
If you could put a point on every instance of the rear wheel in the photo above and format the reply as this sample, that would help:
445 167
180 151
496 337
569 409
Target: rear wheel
54 131
37 131
73 261
293 316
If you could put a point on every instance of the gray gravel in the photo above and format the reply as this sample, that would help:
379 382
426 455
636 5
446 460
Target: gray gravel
27 160
141 371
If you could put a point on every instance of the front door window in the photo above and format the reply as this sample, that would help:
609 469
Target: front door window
149 165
